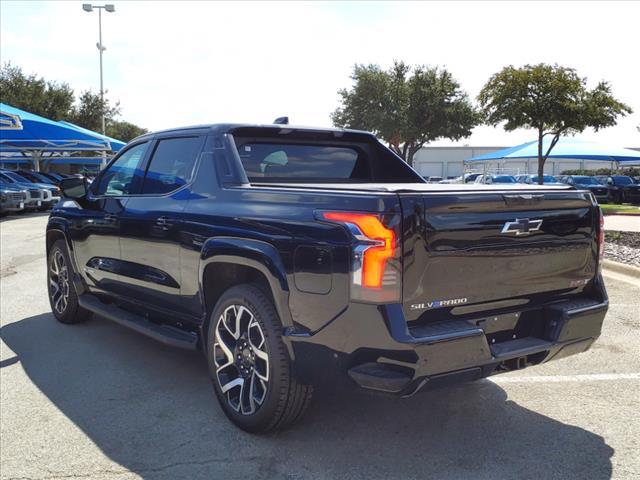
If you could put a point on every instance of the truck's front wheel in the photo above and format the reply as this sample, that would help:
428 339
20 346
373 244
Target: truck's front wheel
62 293
249 364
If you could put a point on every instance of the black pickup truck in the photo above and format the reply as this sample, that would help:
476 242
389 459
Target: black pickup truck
294 256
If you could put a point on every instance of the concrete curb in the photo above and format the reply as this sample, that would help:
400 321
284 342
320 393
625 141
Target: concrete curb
622 268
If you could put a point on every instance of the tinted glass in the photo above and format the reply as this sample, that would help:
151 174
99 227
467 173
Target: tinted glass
16 178
503 179
267 162
585 181
622 180
38 177
124 175
545 178
172 164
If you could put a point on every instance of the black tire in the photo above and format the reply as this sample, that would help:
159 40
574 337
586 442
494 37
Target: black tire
284 399
65 310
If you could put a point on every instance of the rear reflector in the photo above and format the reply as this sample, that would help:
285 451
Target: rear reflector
601 237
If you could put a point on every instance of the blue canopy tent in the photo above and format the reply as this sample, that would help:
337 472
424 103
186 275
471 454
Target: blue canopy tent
565 148
32 135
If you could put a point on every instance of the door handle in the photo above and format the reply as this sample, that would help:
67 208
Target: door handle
164 222
111 218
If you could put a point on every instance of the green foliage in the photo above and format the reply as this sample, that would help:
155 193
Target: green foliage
612 236
88 111
406 107
34 94
124 131
629 171
551 99
57 102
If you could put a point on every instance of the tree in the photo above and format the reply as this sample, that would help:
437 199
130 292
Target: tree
124 131
551 99
57 102
36 95
88 111
406 108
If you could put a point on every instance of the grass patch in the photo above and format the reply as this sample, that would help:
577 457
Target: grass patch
612 236
612 209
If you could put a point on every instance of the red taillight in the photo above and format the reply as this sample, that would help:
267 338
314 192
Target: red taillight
601 237
372 279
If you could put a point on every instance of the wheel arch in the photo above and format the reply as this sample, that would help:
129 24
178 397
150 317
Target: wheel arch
229 261
55 234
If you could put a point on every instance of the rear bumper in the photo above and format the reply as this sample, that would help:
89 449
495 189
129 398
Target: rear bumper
375 349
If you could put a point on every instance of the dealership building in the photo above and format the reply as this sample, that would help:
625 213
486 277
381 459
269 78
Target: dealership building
450 162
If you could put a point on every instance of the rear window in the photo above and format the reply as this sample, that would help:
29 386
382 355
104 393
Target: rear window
271 162
545 178
503 179
586 181
622 180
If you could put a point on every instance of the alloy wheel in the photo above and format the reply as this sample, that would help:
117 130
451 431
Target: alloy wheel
59 282
241 359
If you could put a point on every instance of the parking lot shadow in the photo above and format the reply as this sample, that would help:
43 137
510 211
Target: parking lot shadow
152 410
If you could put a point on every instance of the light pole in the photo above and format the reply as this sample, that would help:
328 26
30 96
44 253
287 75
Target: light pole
87 7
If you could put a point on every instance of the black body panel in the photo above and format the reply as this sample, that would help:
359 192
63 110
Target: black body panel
489 278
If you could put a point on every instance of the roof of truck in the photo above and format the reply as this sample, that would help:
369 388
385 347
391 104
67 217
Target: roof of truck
276 129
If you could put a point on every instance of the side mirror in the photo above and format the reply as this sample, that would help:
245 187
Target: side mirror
74 188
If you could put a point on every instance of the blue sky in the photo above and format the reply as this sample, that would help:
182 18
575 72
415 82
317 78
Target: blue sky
179 63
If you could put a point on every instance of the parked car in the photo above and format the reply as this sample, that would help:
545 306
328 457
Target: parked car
601 178
471 177
35 196
588 183
488 179
12 199
37 177
295 256
50 194
623 189
532 179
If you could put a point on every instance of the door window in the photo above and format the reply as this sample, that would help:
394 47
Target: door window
172 164
123 176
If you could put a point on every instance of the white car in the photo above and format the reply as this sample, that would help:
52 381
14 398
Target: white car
490 179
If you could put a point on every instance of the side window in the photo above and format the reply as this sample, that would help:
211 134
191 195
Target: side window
171 165
124 175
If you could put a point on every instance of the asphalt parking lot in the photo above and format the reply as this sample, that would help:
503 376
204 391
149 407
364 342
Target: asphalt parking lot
99 401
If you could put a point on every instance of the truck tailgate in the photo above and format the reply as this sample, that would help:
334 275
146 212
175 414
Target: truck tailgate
476 251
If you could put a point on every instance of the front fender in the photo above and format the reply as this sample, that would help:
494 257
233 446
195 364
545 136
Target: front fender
256 254
58 225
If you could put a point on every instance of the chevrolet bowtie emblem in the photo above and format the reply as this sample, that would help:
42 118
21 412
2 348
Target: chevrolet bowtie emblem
522 226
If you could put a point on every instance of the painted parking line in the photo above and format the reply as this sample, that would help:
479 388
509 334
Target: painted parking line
594 377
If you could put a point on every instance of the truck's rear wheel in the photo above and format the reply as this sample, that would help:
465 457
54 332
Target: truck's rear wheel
249 364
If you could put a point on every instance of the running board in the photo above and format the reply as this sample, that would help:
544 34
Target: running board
162 333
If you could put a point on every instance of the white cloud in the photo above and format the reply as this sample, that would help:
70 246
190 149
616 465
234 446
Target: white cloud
177 63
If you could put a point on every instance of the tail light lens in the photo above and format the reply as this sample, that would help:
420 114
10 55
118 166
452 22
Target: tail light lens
374 274
601 237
